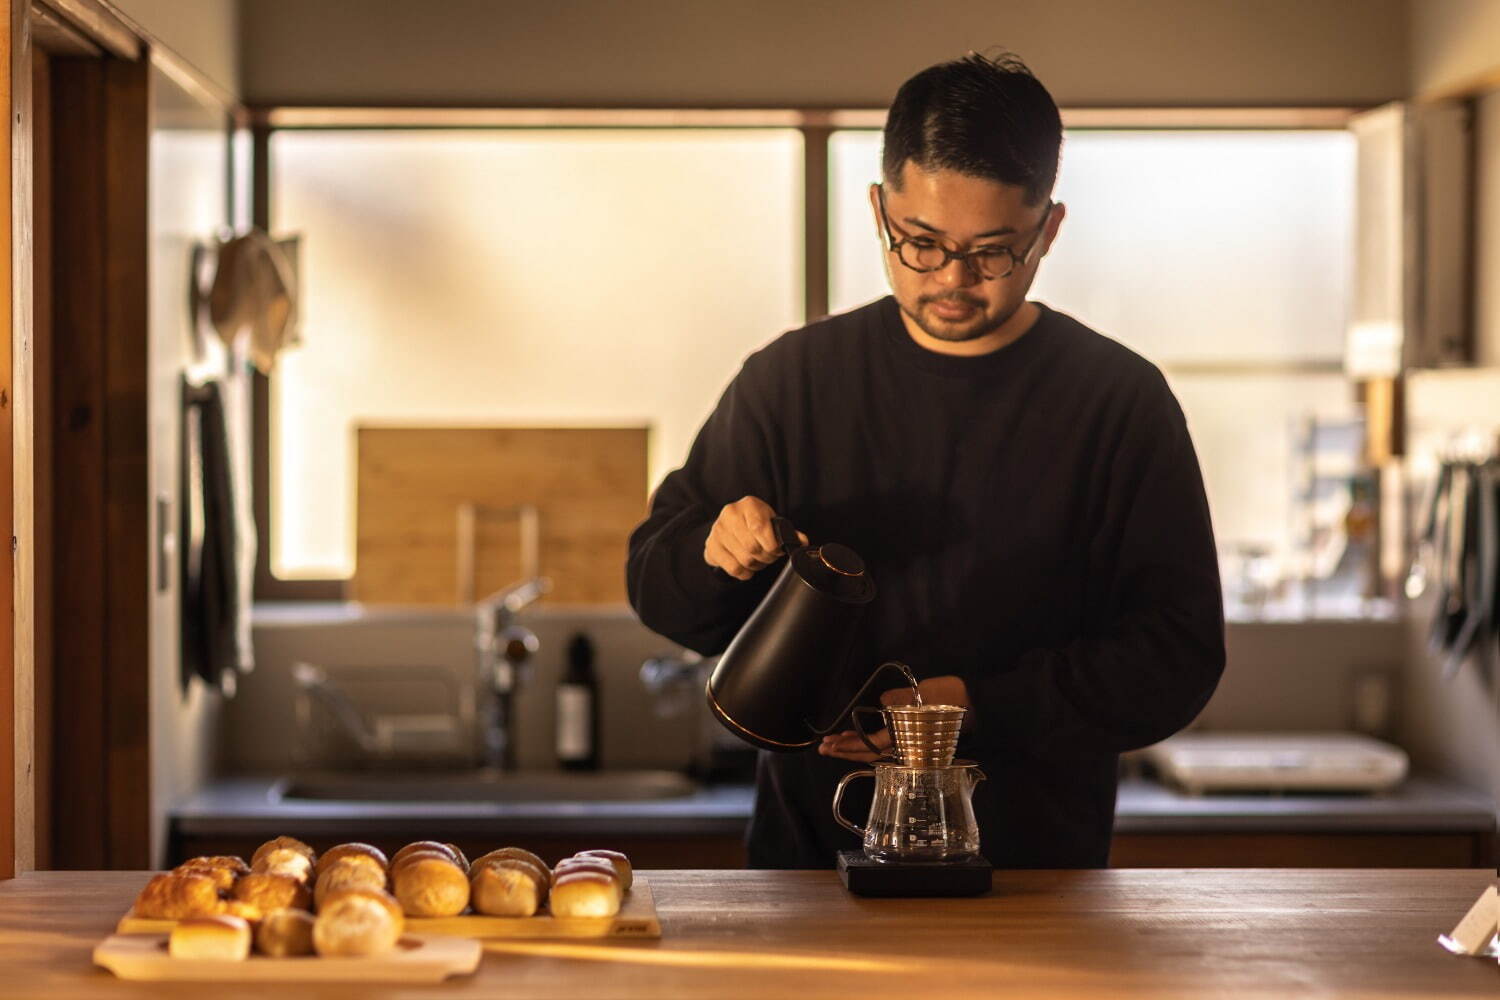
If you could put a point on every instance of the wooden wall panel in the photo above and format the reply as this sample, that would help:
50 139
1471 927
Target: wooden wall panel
11 782
589 485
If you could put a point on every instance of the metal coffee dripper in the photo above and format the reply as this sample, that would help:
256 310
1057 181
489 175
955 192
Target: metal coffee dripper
922 810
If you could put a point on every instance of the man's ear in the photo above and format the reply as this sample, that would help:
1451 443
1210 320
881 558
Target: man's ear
874 194
1054 223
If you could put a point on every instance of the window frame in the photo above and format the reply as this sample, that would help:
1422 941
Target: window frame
816 127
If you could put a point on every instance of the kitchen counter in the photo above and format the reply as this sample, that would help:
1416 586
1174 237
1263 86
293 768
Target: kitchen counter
252 806
1038 934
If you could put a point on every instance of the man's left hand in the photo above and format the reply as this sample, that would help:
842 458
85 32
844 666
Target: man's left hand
945 690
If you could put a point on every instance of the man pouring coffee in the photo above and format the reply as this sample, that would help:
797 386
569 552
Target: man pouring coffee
1022 489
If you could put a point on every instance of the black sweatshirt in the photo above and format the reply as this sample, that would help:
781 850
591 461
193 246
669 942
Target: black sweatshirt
1035 523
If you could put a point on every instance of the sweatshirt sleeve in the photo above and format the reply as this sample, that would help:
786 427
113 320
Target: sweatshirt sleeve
671 588
1149 667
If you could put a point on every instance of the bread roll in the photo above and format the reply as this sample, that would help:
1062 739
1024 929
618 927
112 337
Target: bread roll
516 852
224 938
597 865
178 897
223 878
273 891
350 875
425 845
228 862
385 899
458 856
620 861
505 888
284 861
541 876
431 885
283 844
285 933
585 894
248 912
356 852
354 924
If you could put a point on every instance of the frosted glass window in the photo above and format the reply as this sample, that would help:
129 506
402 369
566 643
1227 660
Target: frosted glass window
1195 249
518 277
1187 246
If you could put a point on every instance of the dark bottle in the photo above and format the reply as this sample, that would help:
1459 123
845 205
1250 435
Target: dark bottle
578 709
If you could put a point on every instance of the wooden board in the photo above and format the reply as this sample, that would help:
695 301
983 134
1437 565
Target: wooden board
636 920
417 958
589 485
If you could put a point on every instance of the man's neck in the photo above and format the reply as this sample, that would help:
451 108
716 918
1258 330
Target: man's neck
1007 333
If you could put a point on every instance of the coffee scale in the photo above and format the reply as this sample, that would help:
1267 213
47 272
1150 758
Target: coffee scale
921 838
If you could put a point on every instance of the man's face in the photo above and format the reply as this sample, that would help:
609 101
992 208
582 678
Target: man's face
954 303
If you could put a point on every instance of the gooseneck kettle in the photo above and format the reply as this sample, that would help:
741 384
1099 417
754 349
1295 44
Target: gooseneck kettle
772 676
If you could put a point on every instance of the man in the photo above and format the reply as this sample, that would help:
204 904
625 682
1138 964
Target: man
1022 489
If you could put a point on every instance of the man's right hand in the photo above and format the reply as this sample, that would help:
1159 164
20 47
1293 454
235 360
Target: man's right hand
742 541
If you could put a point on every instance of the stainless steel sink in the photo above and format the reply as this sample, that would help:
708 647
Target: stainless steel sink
486 786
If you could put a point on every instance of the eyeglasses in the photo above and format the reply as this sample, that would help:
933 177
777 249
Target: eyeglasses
923 254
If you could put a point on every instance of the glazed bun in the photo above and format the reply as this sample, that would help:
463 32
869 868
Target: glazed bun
283 844
585 894
429 884
273 891
347 875
354 924
178 897
506 888
221 938
285 934
621 864
355 852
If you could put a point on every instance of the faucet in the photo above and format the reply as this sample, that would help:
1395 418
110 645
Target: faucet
502 647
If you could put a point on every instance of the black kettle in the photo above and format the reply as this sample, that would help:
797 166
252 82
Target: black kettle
773 673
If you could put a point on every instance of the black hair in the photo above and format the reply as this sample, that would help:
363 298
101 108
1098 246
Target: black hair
981 116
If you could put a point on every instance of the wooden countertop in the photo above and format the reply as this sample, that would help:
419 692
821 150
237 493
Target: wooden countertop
1121 933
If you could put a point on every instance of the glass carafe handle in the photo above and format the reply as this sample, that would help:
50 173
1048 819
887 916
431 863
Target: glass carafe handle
838 797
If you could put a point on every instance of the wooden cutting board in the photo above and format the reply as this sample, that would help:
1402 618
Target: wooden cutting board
417 958
637 919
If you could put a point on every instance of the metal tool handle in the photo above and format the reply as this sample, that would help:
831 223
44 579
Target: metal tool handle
838 798
859 728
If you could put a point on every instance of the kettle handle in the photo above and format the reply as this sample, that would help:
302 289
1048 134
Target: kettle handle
838 798
786 534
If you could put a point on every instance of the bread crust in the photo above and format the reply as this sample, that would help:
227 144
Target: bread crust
178 896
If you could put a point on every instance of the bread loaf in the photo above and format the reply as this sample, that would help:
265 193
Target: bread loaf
178 897
285 933
222 938
519 853
352 924
429 884
284 861
585 894
386 901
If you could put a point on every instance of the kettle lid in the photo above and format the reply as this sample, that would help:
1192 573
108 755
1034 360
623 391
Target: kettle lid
830 568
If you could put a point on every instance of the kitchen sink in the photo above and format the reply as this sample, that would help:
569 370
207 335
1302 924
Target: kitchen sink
485 786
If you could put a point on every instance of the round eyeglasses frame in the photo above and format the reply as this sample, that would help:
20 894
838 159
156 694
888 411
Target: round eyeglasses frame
969 258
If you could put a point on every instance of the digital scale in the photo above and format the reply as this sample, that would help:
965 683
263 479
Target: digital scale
1278 762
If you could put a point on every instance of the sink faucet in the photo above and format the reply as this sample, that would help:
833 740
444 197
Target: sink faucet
502 647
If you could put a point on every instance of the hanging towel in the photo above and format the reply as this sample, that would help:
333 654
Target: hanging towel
210 577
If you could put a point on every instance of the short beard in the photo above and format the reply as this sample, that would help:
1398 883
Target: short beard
983 326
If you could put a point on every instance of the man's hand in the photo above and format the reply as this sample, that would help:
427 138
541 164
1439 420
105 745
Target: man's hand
945 690
741 541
